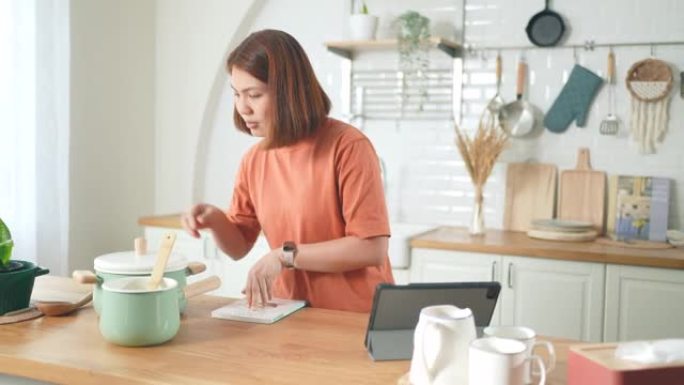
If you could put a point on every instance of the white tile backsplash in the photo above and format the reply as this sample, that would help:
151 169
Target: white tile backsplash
426 181
549 69
425 165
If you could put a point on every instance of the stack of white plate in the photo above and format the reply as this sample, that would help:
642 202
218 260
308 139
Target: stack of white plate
562 230
675 237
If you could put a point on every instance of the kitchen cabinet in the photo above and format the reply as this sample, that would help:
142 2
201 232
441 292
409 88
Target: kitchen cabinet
643 303
559 298
234 273
447 266
555 298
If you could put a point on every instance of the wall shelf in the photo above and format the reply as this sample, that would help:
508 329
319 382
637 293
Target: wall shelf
347 48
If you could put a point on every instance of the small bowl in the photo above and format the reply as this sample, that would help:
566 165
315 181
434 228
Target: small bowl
675 236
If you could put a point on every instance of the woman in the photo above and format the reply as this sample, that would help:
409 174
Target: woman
312 185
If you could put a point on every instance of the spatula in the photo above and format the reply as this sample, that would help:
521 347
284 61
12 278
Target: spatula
162 257
610 124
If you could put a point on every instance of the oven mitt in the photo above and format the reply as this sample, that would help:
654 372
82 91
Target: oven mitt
574 100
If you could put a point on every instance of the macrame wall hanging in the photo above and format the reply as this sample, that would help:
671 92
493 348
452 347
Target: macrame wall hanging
649 83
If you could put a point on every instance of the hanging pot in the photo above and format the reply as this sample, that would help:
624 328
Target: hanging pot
518 117
546 28
129 264
16 284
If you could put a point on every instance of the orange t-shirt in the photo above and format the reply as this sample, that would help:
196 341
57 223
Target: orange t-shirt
321 188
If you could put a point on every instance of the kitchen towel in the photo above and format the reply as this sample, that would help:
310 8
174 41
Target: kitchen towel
574 100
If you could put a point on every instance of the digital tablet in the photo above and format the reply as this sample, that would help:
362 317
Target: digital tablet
396 309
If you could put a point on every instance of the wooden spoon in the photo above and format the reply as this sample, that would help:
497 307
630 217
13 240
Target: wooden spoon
57 308
162 258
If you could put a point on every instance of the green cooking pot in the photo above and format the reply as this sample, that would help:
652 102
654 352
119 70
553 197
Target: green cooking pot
129 264
132 314
16 284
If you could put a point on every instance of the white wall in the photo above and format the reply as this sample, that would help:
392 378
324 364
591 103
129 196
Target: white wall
112 120
191 41
53 103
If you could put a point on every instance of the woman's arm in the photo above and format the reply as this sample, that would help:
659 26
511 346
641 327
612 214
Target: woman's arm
342 254
336 256
226 235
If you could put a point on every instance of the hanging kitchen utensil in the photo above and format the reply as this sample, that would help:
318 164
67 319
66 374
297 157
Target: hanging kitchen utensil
649 83
496 103
517 117
546 28
610 124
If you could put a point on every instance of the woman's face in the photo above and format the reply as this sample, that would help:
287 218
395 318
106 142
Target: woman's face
252 101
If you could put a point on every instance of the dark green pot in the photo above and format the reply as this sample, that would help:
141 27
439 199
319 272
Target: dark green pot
16 285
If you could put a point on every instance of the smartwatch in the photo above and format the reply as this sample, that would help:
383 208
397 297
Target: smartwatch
289 254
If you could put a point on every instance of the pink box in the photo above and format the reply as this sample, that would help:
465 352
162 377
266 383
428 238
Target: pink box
595 364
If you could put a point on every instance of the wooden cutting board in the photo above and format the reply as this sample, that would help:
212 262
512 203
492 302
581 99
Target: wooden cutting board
530 194
582 193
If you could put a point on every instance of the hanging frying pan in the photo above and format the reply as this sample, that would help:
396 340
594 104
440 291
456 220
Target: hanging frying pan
546 28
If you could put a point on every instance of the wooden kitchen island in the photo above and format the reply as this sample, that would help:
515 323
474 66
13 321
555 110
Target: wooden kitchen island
312 346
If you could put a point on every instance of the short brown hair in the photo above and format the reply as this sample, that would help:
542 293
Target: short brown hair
300 104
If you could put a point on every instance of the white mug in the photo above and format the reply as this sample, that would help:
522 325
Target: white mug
528 337
500 361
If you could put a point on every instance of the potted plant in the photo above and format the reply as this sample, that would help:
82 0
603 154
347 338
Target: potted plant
16 277
413 33
363 25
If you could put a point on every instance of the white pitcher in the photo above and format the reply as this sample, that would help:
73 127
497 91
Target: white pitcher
440 346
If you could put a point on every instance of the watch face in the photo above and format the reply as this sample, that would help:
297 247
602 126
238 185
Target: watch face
289 246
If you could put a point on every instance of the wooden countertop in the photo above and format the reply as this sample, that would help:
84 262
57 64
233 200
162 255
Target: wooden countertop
513 243
312 346
518 243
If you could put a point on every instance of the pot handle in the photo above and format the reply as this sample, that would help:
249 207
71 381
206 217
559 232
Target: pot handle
202 286
195 268
40 271
84 276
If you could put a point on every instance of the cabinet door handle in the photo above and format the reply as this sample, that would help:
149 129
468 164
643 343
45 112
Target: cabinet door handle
510 275
493 270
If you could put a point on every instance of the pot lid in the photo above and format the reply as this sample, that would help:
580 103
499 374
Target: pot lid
127 262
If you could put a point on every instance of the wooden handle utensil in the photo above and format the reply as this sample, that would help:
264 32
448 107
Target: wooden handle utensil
162 257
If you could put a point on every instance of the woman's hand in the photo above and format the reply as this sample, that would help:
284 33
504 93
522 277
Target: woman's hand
261 277
201 216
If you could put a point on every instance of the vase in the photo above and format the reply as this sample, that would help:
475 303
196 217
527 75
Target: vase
477 223
363 26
